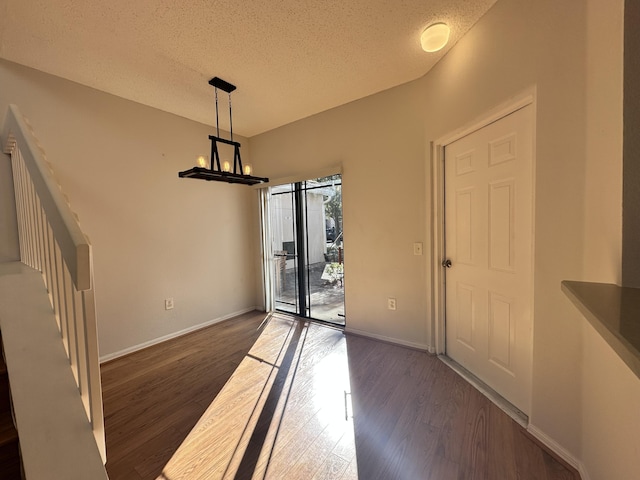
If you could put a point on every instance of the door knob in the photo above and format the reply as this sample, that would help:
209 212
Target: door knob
446 263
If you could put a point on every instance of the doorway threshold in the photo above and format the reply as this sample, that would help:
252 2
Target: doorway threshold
325 323
507 407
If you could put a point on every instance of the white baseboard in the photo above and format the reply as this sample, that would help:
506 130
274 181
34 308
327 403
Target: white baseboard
383 338
559 450
155 341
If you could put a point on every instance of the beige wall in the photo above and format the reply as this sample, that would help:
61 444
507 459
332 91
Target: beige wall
382 142
611 412
154 235
603 199
9 245
610 390
570 52
383 214
147 239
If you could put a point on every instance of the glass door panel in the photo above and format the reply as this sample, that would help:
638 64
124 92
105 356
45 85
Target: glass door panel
283 246
308 250
325 266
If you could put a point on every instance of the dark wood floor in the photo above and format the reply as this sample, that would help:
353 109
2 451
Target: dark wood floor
293 400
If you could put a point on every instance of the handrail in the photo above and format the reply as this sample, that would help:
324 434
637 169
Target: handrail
52 242
74 246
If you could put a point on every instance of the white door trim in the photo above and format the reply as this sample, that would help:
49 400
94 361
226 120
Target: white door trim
437 188
266 255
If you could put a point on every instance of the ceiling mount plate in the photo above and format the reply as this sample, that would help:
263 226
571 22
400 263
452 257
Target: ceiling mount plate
222 85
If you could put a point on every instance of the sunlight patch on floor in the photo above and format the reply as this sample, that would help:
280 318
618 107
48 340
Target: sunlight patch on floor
284 413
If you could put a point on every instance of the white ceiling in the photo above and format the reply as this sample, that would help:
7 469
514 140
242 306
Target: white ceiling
289 58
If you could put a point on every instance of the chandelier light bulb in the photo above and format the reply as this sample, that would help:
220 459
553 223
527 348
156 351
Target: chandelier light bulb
435 37
247 169
202 161
226 166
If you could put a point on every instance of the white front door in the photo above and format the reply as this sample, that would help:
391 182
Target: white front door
488 240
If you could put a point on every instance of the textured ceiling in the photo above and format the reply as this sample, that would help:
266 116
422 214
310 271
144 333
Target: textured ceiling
288 58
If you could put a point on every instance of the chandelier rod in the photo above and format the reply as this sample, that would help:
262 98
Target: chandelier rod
217 121
230 118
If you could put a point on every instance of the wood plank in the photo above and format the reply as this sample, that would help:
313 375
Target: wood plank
501 447
281 412
475 444
168 386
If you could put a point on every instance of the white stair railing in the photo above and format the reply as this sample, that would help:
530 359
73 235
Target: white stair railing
52 242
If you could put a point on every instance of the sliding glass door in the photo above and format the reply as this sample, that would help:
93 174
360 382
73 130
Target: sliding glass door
307 249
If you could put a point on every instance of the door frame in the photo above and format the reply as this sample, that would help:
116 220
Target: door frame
528 97
266 261
264 226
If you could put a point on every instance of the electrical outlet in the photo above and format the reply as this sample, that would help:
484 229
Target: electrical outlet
417 248
168 304
391 303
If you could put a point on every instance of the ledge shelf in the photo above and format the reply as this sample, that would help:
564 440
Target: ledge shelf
615 314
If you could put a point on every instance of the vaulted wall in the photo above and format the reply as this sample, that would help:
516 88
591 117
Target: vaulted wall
155 236
570 54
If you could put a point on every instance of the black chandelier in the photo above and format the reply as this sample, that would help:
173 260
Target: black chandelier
217 171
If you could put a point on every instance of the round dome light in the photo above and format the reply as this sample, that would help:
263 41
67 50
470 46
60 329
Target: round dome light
435 37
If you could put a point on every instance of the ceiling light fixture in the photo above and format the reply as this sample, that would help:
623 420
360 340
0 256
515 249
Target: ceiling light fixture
435 37
216 171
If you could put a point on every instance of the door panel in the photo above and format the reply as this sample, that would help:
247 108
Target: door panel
285 262
501 331
466 314
501 225
464 225
307 249
488 238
